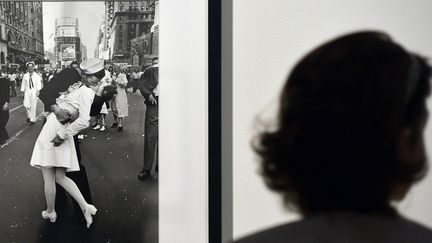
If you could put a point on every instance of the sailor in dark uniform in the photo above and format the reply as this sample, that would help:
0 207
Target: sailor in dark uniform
149 87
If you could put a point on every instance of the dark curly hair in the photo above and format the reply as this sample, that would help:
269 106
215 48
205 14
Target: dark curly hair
340 117
100 74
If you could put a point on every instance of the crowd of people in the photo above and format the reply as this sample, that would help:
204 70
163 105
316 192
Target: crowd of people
71 96
122 78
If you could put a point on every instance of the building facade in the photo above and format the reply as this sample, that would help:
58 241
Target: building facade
83 52
146 47
102 48
21 33
126 21
67 41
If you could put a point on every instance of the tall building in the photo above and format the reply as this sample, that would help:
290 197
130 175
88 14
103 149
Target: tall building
126 21
83 52
67 40
146 47
102 48
21 33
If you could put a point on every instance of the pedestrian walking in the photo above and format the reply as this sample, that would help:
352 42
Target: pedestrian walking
149 87
100 119
4 107
45 76
135 78
19 78
126 71
31 85
12 81
119 104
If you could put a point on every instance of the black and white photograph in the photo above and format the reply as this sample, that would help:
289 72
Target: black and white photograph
79 121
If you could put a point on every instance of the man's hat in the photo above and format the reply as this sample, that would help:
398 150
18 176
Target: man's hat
91 66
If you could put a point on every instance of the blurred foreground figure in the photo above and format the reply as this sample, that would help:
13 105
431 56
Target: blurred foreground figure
348 142
4 108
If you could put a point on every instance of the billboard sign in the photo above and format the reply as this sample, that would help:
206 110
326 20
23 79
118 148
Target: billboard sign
67 21
66 31
67 51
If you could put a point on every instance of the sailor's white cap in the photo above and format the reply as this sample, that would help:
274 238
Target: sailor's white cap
91 66
28 63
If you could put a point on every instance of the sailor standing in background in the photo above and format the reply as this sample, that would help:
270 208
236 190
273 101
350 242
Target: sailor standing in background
149 88
31 85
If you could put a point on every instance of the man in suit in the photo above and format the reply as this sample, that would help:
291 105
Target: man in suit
4 107
149 87
48 95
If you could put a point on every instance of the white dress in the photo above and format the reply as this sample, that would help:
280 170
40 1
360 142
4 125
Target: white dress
120 101
106 79
45 154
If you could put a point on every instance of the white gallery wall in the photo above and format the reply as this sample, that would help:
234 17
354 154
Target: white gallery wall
183 122
269 38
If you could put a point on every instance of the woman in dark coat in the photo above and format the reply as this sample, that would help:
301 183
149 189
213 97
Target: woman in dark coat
4 108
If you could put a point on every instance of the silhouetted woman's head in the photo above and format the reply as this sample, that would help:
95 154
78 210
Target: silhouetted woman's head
349 134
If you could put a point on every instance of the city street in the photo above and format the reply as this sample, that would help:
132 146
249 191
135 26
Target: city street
127 207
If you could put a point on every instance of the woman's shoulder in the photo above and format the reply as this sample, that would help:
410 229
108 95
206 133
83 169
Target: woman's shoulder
344 228
86 91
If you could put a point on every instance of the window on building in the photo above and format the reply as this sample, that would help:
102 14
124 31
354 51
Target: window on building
31 10
121 8
130 8
2 58
10 36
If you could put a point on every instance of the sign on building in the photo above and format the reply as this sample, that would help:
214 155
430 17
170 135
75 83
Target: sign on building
66 31
14 65
67 51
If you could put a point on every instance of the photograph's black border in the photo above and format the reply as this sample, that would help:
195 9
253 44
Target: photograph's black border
214 122
220 120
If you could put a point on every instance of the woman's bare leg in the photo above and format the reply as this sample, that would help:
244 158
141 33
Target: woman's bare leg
49 187
70 186
103 116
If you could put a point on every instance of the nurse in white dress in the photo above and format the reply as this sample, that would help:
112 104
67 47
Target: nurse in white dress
54 150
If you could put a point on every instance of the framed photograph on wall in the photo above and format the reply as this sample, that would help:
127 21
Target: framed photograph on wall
84 156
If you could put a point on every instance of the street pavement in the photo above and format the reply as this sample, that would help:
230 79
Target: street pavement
127 208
